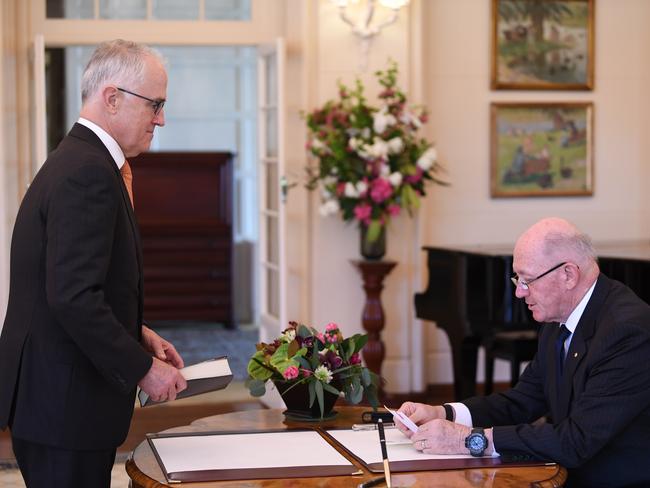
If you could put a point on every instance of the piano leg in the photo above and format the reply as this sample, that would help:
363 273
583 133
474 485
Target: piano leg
464 353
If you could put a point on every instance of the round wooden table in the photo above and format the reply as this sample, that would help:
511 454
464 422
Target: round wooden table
144 471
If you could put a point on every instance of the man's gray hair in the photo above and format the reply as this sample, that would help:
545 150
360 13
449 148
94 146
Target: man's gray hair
577 245
117 62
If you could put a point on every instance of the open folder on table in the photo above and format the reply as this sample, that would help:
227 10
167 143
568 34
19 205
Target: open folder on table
365 448
227 456
213 374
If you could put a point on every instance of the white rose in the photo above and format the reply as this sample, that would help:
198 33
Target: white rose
427 159
329 180
317 144
330 207
382 120
350 190
395 145
384 170
362 187
395 179
378 150
355 143
408 117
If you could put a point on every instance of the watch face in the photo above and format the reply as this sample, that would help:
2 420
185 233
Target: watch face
476 443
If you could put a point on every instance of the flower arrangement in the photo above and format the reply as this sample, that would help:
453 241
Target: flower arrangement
326 362
371 164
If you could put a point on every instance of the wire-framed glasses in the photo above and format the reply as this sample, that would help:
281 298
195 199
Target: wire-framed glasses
517 281
156 105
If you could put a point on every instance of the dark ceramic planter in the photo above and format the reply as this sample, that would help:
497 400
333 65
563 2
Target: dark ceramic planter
297 401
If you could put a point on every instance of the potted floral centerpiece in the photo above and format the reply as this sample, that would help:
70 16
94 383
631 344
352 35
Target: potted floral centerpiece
312 369
371 162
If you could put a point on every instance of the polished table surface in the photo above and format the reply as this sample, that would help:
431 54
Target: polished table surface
143 468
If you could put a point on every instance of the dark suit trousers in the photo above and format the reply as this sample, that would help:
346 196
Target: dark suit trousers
45 466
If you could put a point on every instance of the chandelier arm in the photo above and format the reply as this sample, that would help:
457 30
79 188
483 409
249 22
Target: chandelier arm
344 17
391 20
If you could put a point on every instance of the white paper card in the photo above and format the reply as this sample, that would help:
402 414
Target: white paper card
247 451
365 445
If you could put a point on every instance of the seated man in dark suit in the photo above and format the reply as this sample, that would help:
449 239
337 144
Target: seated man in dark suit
590 375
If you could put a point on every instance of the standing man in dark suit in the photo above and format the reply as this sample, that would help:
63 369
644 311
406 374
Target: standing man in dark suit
73 347
590 375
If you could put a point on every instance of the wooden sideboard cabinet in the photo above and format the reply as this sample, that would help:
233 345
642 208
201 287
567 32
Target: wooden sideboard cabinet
183 203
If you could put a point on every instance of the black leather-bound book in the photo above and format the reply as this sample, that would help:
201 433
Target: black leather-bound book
211 375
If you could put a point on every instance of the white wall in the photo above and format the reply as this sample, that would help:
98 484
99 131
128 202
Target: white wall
458 74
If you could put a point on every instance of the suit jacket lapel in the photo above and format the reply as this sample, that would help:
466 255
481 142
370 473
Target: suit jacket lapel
580 343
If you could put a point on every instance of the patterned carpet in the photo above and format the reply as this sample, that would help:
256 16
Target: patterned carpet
198 341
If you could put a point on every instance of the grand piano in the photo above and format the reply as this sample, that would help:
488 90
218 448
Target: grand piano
470 296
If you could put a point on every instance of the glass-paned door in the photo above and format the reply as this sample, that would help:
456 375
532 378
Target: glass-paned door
272 259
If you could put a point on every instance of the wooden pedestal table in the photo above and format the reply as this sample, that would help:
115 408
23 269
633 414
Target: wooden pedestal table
372 317
144 471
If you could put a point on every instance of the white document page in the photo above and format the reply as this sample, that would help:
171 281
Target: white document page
247 451
365 445
207 369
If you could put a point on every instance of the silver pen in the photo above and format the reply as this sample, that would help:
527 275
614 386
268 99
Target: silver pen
371 426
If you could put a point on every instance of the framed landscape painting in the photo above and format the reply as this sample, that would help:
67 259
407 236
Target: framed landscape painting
543 44
541 149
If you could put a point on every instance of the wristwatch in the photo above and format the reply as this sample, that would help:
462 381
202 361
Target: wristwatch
476 442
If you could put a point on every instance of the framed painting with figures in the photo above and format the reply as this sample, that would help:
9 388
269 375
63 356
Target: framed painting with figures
543 44
541 149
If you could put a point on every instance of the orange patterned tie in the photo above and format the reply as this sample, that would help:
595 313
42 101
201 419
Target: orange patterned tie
127 176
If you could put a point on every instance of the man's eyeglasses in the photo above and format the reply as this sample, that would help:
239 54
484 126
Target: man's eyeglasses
156 105
525 284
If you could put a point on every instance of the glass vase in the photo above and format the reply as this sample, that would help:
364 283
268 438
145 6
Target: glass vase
372 250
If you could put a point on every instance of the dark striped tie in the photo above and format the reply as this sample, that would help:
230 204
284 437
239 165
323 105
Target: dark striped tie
559 348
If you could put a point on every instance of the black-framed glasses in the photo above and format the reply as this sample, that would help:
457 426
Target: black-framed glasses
156 105
525 284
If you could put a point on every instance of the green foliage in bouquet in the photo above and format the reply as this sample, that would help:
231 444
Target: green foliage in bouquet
326 362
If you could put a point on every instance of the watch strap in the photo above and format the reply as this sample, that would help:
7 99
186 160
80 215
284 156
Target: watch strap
450 414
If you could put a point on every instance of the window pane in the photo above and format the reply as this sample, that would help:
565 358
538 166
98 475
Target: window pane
271 133
176 9
227 9
272 295
271 81
122 9
70 9
271 186
272 239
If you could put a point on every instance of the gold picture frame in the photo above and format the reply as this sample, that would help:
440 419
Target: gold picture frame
541 149
542 44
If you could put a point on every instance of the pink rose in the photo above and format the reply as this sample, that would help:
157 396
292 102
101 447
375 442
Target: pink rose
306 373
331 326
362 212
291 373
355 358
380 190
